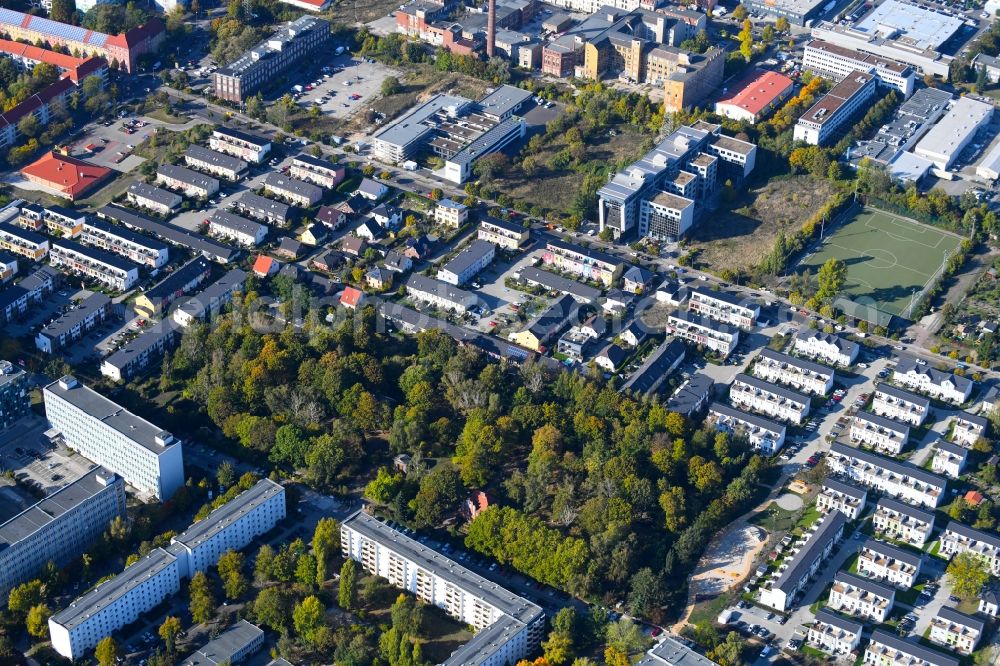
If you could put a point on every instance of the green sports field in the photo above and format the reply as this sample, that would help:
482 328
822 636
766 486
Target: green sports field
889 258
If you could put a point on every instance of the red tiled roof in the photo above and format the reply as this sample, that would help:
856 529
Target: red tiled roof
351 296
69 175
758 91
137 35
263 265
974 497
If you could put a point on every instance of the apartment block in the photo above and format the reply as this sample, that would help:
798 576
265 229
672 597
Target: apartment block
798 373
902 522
847 498
837 62
294 191
900 405
154 301
95 264
581 292
148 458
243 145
809 553
723 307
763 435
967 429
476 256
23 242
160 201
317 171
72 325
885 649
900 480
134 247
215 163
956 631
14 398
834 634
188 181
232 646
931 381
508 235
264 209
442 295
769 399
60 527
861 597
543 329
832 111
142 353
236 228
659 365
826 348
206 304
958 538
451 213
949 459
889 564
702 331
508 627
882 434
32 290
585 263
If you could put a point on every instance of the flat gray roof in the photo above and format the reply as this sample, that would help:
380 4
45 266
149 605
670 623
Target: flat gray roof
950 133
228 513
503 100
223 647
674 653
410 126
918 27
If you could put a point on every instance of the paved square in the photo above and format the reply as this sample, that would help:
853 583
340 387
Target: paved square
889 258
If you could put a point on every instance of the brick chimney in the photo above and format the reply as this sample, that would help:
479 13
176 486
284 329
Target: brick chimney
491 28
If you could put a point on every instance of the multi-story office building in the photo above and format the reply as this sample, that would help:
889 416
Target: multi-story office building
172 234
826 348
23 242
72 325
666 215
95 264
536 277
154 301
885 649
798 373
900 480
812 549
60 527
157 576
837 62
14 399
240 230
772 400
142 353
210 301
832 111
834 634
442 295
317 171
889 564
476 256
508 235
137 248
508 627
847 498
148 458
727 308
902 522
900 405
258 67
188 181
882 434
247 147
949 459
451 213
232 646
967 429
294 191
586 263
56 220
264 209
702 331
861 597
931 381
956 631
156 199
958 538
763 435
217 164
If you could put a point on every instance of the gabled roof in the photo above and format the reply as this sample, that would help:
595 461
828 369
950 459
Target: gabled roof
264 265
351 296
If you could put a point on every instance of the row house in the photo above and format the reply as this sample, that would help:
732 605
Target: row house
160 201
317 171
536 277
967 429
95 264
56 220
23 242
808 554
889 564
442 295
949 459
32 290
295 191
727 308
800 374
171 233
508 235
719 338
586 263
861 597
73 324
958 538
137 248
902 522
772 400
230 226
153 302
956 631
895 403
450 213
834 634
188 181
215 163
826 347
847 498
885 649
900 480
764 435
141 354
264 209
208 303
882 434
931 381
243 145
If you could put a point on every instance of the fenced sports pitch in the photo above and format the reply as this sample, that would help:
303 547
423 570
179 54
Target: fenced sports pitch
891 260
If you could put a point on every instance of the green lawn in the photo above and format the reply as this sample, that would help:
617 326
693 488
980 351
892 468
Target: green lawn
774 519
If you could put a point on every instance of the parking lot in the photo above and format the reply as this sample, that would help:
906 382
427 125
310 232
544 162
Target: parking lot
346 87
25 451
